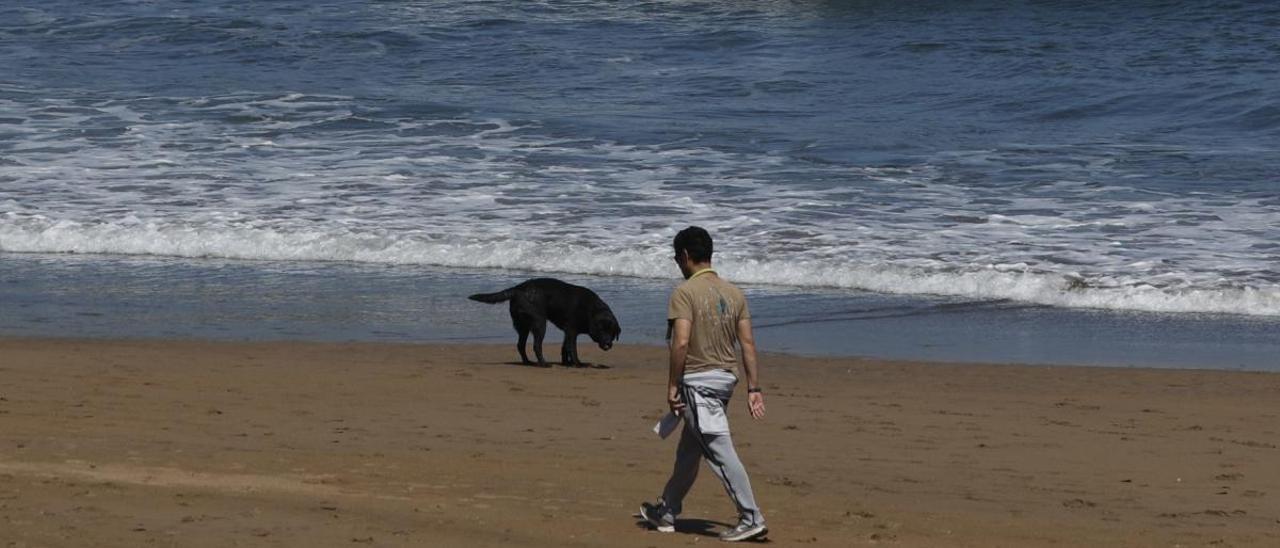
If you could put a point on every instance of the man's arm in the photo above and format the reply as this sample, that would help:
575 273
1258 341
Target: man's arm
755 400
679 349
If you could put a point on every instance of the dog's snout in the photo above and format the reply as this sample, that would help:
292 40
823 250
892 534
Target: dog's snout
606 346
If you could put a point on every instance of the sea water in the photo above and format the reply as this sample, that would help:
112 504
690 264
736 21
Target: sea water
1009 181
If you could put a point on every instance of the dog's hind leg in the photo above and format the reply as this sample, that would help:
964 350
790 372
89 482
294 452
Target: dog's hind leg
539 331
524 336
522 325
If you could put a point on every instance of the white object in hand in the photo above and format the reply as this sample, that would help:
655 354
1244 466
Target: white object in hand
667 425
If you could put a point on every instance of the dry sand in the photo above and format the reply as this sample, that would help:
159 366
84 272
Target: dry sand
124 443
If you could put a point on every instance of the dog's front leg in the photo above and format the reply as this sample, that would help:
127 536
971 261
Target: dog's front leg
573 352
568 352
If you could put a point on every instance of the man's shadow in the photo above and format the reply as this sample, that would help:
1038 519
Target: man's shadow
700 527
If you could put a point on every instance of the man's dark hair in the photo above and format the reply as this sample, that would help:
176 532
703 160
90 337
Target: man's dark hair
696 242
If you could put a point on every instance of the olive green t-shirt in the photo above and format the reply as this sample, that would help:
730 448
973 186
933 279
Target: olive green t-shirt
713 306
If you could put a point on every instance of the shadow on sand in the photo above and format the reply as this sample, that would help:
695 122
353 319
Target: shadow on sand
700 527
584 365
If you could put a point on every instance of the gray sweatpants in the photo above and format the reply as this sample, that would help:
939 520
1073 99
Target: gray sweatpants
720 454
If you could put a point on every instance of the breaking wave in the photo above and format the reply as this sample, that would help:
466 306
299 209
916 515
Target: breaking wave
36 234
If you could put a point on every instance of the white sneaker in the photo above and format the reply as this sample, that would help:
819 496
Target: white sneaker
658 516
744 531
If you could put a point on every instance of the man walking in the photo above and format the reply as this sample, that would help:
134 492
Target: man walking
707 319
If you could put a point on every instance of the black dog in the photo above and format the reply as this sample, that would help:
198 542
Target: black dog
574 309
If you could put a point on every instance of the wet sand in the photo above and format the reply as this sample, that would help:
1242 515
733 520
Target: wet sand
173 443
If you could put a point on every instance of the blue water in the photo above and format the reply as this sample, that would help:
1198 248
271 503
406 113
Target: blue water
149 297
1108 163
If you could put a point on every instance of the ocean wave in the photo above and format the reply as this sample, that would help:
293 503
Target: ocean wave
26 233
328 178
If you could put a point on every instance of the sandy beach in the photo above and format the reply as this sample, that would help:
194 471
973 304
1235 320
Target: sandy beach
172 443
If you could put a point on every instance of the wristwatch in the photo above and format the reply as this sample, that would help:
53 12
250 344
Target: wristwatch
756 390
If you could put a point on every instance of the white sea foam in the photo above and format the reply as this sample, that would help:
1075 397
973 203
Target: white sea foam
1013 282
492 193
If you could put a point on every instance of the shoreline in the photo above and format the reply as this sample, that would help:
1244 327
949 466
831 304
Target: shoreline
153 298
202 443
585 346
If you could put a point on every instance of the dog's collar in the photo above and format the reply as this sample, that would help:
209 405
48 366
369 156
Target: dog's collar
701 272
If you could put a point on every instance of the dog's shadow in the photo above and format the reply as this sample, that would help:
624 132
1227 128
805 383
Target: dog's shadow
584 365
699 527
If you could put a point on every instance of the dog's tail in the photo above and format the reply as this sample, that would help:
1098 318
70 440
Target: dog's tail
493 298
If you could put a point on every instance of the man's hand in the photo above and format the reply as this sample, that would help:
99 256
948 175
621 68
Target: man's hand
755 401
674 401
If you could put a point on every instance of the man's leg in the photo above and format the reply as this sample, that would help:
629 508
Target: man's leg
720 454
688 454
726 465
